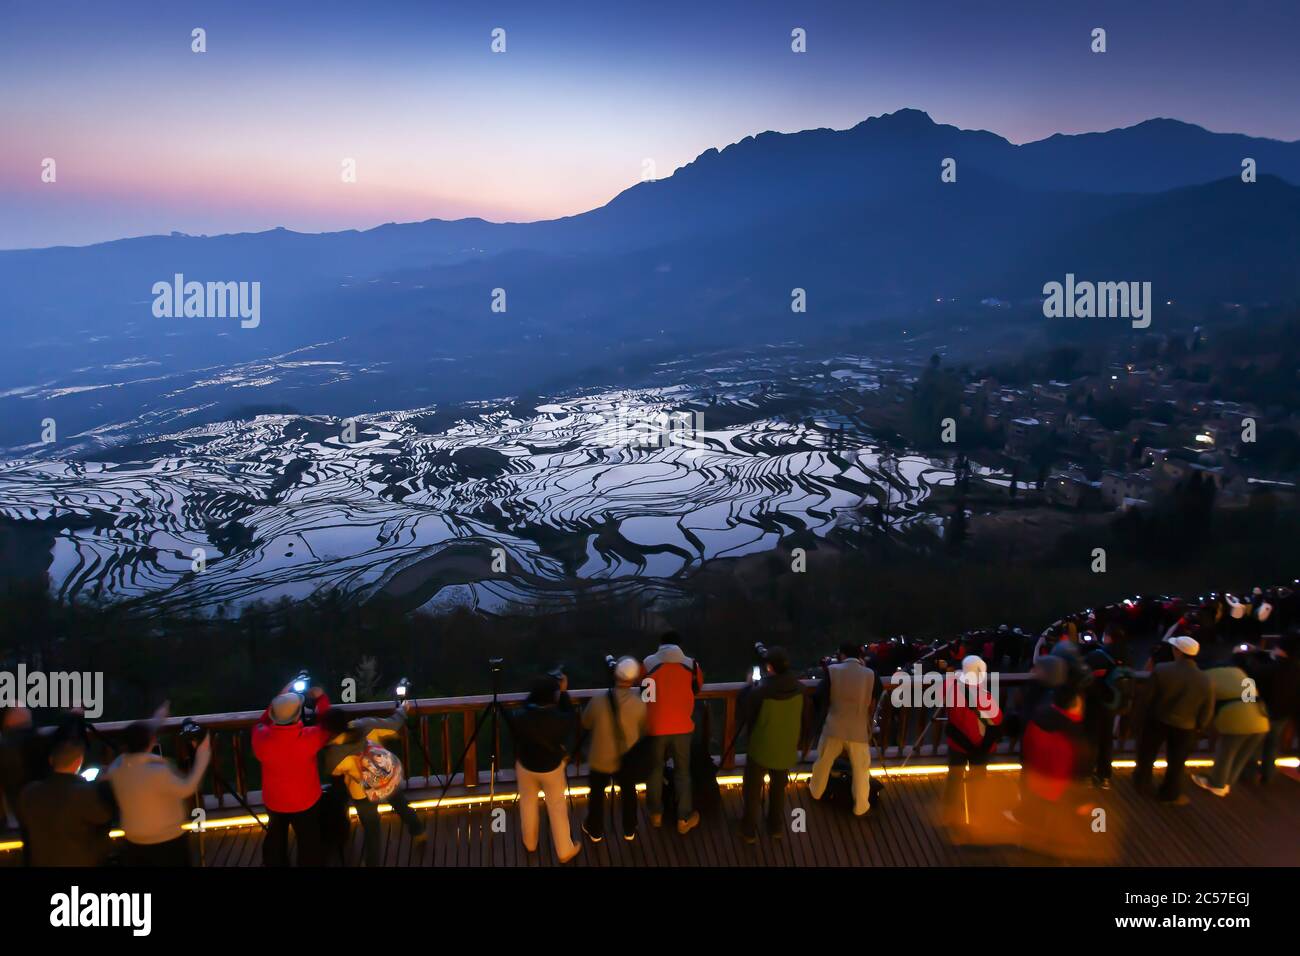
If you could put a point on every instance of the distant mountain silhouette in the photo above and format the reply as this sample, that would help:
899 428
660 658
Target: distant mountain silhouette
858 217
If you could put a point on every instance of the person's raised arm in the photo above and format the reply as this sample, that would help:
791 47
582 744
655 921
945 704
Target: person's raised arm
186 785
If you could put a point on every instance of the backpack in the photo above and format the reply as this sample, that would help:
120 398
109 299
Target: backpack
839 786
634 761
381 771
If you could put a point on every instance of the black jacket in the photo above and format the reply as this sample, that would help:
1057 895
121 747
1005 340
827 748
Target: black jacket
544 735
66 820
1278 680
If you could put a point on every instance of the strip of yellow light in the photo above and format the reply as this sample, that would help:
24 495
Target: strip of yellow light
731 780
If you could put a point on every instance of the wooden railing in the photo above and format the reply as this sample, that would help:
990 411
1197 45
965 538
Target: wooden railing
440 730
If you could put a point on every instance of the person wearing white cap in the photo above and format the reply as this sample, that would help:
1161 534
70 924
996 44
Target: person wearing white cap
616 721
974 726
1180 706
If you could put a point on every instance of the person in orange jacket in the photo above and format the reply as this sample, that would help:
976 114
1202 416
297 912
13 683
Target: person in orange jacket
673 681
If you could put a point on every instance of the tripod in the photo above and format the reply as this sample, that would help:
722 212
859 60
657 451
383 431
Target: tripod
492 711
225 786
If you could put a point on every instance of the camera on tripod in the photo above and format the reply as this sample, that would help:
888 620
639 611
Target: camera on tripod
401 690
760 653
193 732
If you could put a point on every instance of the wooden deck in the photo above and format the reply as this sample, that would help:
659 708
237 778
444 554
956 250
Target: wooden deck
1253 826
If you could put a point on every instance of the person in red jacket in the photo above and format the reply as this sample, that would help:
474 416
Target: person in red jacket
974 727
672 680
291 791
1057 756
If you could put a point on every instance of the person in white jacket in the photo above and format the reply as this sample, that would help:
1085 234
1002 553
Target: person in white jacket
850 685
152 796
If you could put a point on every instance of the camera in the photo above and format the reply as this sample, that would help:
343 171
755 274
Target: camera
557 671
402 689
300 683
193 731
495 664
611 661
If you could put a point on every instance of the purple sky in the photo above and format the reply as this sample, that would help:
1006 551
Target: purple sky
150 137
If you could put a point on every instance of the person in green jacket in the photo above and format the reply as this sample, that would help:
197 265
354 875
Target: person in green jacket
1241 723
772 709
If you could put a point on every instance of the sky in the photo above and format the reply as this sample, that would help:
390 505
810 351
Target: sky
150 137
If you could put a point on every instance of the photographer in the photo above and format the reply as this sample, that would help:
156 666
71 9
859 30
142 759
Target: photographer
152 796
846 694
370 772
974 728
1180 704
291 791
1277 674
1109 695
1056 757
1241 725
25 754
65 818
544 729
772 709
675 680
616 721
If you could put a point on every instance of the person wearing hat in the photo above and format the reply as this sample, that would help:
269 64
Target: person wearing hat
676 681
974 726
1179 706
291 791
616 721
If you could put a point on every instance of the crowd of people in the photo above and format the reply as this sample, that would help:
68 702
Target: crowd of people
318 761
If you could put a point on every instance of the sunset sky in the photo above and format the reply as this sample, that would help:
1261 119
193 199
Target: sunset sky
150 137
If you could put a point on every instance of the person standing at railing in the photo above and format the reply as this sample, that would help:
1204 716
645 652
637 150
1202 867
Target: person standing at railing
544 731
974 728
369 771
772 709
616 721
1240 725
25 753
152 796
1277 675
66 818
675 681
1109 695
1180 705
291 791
846 693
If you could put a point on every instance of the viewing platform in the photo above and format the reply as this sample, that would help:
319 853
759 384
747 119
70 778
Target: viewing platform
1255 825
